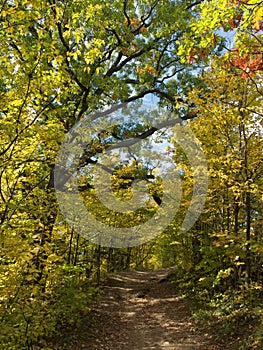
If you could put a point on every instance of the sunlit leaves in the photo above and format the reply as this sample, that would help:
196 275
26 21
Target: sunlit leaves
60 61
234 24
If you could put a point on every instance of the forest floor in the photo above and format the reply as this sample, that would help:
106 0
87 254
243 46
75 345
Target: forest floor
139 310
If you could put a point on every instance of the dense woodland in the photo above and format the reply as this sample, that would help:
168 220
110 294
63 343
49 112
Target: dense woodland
61 61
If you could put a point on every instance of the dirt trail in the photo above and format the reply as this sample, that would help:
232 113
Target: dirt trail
140 311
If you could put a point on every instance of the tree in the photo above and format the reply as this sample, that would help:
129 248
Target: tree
76 58
62 61
224 250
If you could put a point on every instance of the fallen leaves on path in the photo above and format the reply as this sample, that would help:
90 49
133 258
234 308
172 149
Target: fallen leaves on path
139 310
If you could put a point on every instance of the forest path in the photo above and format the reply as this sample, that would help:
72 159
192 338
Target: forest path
140 311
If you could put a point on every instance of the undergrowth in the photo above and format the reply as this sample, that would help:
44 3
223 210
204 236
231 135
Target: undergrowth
233 317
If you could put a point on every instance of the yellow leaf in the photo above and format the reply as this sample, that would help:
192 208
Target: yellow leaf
258 18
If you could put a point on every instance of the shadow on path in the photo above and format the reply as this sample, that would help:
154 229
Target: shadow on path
140 311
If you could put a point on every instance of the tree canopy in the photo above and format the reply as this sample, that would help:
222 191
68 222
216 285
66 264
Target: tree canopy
127 73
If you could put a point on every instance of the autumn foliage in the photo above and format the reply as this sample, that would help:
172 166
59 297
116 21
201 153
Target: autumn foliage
248 63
